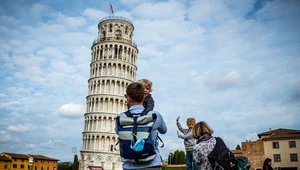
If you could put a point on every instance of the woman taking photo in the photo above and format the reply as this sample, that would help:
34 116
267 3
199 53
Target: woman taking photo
205 144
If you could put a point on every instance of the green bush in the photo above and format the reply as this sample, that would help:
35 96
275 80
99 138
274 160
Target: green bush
176 158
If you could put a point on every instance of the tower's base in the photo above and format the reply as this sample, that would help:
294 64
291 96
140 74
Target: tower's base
108 161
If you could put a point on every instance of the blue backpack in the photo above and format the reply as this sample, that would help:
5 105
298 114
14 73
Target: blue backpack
136 144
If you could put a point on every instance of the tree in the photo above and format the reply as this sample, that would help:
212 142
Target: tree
64 166
75 163
238 147
181 157
176 156
171 159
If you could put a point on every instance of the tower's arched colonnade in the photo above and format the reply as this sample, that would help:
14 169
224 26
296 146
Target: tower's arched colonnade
112 69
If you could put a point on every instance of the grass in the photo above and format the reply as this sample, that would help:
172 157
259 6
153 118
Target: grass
174 167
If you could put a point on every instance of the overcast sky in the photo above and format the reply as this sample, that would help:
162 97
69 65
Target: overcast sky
234 64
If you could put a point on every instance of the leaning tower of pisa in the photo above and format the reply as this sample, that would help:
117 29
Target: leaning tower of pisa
112 68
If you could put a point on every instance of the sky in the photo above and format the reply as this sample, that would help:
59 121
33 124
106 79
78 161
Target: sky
234 64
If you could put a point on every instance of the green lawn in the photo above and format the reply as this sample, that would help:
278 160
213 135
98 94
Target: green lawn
174 167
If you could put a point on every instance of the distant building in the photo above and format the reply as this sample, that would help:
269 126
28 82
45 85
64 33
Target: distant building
41 162
14 161
283 147
5 163
237 152
254 151
18 161
280 145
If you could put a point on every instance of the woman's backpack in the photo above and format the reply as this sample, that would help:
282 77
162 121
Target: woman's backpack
221 158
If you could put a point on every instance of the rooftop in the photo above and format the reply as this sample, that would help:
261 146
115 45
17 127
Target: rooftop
25 156
15 155
4 158
279 134
42 157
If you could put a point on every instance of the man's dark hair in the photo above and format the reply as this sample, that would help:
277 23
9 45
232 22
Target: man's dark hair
135 91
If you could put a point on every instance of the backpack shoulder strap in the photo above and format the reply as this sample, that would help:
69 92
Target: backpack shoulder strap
163 144
144 112
219 140
128 113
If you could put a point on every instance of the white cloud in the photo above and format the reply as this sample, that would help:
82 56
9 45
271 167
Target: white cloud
10 104
4 56
30 146
231 140
94 14
251 136
210 12
37 9
51 144
230 80
51 52
3 95
20 90
8 66
72 110
19 128
5 137
8 20
132 2
160 11
71 22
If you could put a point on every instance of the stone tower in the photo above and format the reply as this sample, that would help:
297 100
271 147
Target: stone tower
112 69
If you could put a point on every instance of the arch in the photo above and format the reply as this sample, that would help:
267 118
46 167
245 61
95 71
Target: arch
110 27
111 51
113 85
101 52
107 86
115 51
105 105
99 157
103 35
120 52
110 106
109 159
118 34
118 88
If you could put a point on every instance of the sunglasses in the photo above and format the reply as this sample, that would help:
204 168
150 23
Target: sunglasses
125 95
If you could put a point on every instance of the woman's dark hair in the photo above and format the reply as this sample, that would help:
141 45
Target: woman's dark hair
266 163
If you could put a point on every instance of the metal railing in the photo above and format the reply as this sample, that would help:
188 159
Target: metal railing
115 17
123 40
